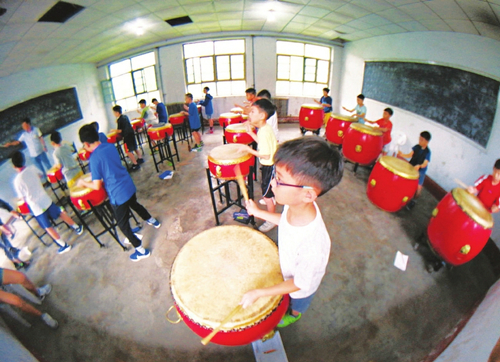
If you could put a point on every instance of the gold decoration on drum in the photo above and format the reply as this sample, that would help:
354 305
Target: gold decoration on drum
473 207
358 148
405 199
218 170
235 139
373 182
465 249
306 118
435 212
340 133
82 205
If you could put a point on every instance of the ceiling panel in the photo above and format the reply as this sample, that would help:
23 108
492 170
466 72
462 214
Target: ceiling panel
372 5
447 9
462 26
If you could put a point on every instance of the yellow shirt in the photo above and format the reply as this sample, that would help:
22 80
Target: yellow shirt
266 144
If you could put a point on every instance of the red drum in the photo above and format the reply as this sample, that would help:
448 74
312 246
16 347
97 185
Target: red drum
245 117
460 227
80 196
84 154
23 208
114 137
160 131
362 144
311 117
211 273
337 126
223 159
137 124
225 119
199 108
238 110
237 133
392 183
177 118
54 175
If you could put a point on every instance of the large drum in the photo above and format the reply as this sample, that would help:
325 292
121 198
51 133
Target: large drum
225 119
392 183
460 227
138 124
362 144
80 196
114 137
83 154
238 110
223 159
337 126
23 208
198 106
177 118
160 131
311 117
54 175
237 133
212 272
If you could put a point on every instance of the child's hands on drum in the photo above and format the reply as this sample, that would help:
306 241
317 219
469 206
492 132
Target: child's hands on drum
249 298
473 190
251 207
244 148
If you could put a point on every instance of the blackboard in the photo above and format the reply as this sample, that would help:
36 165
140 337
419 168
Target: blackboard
463 101
48 112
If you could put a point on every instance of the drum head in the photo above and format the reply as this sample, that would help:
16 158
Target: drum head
77 191
366 129
228 154
342 117
157 126
399 167
473 207
237 128
312 106
230 115
216 267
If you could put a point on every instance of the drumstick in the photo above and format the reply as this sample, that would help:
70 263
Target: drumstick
460 183
226 320
241 182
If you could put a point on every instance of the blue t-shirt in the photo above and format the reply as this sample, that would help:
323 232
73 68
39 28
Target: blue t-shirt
419 157
207 103
162 113
105 165
194 117
360 110
103 138
327 100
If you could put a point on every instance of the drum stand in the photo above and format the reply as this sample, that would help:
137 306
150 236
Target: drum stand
162 149
224 191
61 185
123 156
304 130
183 131
433 262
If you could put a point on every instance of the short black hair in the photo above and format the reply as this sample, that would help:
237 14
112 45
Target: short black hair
389 110
497 164
189 95
88 133
426 135
18 159
251 91
117 109
56 137
142 101
95 125
362 97
327 90
266 106
312 162
206 88
154 100
264 93
26 120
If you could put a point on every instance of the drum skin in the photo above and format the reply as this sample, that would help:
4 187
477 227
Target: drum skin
177 118
160 131
137 124
226 119
223 159
238 110
236 133
23 208
311 117
80 196
392 183
84 154
362 144
337 127
54 175
454 235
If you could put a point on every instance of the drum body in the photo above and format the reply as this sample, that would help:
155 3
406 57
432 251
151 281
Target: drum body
81 196
137 124
225 119
337 127
23 208
392 183
160 131
460 227
54 175
177 118
237 133
223 159
114 137
362 144
198 106
211 273
311 117
83 154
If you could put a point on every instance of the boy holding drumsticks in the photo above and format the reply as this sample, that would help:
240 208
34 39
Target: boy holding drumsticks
306 168
385 125
487 188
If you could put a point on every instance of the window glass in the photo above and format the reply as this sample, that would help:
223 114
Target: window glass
143 61
119 68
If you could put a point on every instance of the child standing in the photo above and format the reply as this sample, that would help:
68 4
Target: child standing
306 168
326 101
260 112
194 121
102 137
28 187
487 188
360 109
161 111
63 156
385 125
126 130
250 95
209 109
273 120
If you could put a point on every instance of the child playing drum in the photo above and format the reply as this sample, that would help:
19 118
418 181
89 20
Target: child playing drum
63 157
487 188
360 109
385 125
306 168
326 103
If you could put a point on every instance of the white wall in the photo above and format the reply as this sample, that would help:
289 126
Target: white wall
31 84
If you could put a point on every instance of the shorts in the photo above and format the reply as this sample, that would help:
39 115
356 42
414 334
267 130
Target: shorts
386 149
326 117
130 142
421 176
52 212
195 130
209 116
301 304
267 175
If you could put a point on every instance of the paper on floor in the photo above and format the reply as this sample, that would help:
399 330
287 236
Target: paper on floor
401 261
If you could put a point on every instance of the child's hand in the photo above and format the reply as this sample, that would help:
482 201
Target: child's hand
251 207
249 298
416 167
244 148
248 127
473 190
400 154
494 209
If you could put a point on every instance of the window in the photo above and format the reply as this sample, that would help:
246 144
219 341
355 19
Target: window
219 65
303 69
134 79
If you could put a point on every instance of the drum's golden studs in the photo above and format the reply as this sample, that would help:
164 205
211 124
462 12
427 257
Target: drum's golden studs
405 199
82 205
268 336
306 119
179 318
218 172
435 212
235 139
358 148
465 249
340 133
373 182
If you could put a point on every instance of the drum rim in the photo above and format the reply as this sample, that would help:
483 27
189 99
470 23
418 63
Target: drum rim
137 121
230 162
476 212
159 128
230 115
230 129
77 191
363 128
388 163
176 115
342 117
311 106
53 170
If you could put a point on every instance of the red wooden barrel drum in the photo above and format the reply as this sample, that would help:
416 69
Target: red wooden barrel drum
114 137
223 159
84 154
177 118
213 270
54 175
337 127
311 117
392 183
160 131
225 119
80 196
199 108
460 227
137 124
362 144
237 133
23 208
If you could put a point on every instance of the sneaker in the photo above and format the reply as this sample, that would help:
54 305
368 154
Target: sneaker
48 320
195 148
135 167
64 249
140 161
288 319
411 205
136 255
202 143
211 131
154 223
136 229
267 226
44 291
79 230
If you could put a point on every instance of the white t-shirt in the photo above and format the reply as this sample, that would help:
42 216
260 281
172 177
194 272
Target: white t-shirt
29 187
304 253
32 141
273 122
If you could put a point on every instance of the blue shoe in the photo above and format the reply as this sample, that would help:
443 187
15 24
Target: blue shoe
136 255
64 249
136 229
79 230
154 223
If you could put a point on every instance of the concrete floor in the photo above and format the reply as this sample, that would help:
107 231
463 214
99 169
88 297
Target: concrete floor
110 309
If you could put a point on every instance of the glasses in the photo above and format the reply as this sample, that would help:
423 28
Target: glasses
279 183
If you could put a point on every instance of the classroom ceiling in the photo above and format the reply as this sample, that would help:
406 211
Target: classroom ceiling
106 28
